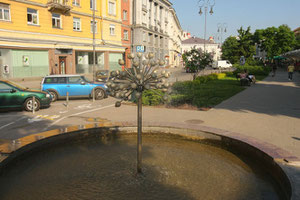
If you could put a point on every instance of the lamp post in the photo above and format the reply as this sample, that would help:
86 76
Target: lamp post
206 4
133 81
222 28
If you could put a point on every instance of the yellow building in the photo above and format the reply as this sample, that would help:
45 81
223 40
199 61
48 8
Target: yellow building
40 37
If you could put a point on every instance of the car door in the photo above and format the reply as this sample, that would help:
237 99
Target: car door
62 86
77 86
9 96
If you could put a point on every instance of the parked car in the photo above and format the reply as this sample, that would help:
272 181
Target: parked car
13 95
222 64
75 85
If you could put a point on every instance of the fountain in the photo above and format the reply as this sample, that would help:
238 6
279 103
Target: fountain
97 161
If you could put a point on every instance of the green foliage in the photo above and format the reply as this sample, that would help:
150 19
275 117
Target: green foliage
230 50
195 60
235 47
297 44
275 41
254 70
205 91
152 98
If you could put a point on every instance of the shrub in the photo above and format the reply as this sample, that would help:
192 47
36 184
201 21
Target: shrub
255 70
152 98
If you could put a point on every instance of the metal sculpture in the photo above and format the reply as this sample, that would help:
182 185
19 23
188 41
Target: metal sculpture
133 81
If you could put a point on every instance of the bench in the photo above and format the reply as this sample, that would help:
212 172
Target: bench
243 80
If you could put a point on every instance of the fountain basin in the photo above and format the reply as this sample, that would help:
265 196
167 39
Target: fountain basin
99 163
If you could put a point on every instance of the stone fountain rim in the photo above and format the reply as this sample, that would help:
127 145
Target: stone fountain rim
278 156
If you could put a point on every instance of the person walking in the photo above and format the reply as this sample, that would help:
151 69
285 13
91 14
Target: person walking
274 68
290 70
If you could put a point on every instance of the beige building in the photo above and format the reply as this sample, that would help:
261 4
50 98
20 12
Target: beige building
175 35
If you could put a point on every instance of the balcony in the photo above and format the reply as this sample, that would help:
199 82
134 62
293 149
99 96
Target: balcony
59 6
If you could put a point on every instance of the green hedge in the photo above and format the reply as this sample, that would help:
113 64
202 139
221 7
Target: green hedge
254 70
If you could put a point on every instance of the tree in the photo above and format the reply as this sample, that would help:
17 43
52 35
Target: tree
297 45
235 47
196 60
275 41
230 50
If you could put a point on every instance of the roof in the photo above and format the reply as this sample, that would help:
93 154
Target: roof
63 75
196 40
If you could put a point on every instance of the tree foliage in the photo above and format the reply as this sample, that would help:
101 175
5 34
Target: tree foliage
275 41
242 45
230 50
195 60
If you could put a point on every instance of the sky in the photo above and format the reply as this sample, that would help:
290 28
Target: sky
258 14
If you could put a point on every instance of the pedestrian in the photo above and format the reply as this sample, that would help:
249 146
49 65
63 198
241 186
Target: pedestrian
290 70
274 68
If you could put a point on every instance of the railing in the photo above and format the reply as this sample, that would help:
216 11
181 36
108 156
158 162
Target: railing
60 5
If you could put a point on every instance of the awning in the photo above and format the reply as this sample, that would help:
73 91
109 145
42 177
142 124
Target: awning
293 54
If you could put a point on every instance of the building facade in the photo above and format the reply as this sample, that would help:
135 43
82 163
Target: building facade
150 26
41 37
126 10
175 39
210 46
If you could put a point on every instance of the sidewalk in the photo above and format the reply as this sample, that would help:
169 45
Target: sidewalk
268 111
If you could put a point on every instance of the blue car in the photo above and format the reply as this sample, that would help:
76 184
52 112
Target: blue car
75 85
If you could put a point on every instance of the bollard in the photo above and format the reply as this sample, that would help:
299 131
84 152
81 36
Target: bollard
93 91
33 104
67 100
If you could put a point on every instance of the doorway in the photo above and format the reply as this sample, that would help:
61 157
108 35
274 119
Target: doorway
62 65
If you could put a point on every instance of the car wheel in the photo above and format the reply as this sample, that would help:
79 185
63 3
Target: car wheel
99 94
54 95
28 104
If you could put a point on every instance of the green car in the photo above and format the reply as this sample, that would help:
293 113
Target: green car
13 95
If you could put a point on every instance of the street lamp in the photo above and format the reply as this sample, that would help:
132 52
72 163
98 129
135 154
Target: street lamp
206 4
133 82
222 27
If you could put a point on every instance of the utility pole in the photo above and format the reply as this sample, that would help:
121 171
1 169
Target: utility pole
94 42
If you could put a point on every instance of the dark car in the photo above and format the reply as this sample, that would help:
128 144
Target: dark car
13 95
73 85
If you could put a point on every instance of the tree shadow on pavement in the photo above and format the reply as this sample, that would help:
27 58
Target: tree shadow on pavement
267 97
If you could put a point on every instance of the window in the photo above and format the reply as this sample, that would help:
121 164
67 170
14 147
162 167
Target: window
112 29
76 2
125 34
112 8
32 16
3 86
56 21
124 14
92 26
91 4
75 79
4 12
76 24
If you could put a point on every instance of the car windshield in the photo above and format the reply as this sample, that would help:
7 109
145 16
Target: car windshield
17 85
